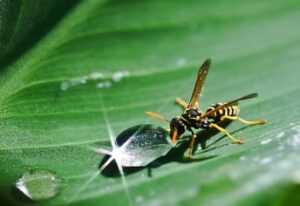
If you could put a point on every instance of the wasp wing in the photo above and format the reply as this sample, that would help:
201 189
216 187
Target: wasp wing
233 102
202 73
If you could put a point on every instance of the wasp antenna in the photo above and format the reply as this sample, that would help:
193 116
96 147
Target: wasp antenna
158 116
174 136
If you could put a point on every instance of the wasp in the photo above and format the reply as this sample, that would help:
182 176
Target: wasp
194 118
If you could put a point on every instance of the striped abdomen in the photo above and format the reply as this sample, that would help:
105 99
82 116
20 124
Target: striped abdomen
229 111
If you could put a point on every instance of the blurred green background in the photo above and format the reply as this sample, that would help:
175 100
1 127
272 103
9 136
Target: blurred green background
59 58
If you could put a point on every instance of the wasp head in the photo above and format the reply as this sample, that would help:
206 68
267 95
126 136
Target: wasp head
177 127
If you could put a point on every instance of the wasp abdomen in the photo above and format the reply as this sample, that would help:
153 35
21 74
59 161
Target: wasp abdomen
228 111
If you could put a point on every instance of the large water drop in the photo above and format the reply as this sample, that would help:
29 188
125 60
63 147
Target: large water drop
140 145
38 184
146 144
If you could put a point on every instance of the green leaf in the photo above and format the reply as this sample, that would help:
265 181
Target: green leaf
51 114
23 23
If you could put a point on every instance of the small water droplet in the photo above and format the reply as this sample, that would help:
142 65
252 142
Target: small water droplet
285 164
181 61
266 160
38 184
266 141
118 76
281 147
243 158
96 75
83 80
105 84
281 134
139 199
296 128
64 86
295 139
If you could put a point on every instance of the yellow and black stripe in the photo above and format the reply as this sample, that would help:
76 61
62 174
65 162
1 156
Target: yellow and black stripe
228 111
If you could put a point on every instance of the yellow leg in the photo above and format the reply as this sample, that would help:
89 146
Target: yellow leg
240 141
262 121
181 102
192 146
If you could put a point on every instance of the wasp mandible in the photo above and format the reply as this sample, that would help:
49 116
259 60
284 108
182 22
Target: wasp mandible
192 117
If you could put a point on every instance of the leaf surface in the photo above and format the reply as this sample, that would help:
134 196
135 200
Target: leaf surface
51 113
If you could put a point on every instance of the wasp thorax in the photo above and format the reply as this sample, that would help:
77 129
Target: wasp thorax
192 114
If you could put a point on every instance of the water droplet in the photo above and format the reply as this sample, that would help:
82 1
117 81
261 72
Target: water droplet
140 145
266 141
285 164
96 75
296 127
281 134
243 158
181 61
64 86
38 184
118 76
266 160
295 139
281 147
83 80
146 144
105 84
139 199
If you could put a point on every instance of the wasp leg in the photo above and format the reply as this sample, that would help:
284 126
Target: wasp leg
240 141
262 121
191 146
181 102
158 116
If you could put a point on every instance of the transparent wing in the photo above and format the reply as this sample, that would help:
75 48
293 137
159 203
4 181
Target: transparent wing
233 102
202 73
